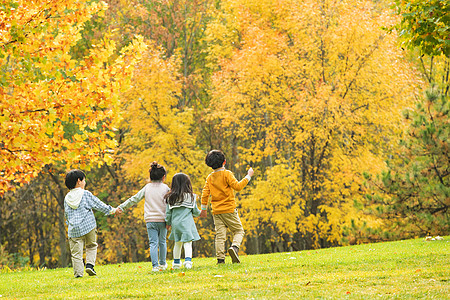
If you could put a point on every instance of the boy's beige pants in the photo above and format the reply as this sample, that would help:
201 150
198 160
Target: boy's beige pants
76 249
221 223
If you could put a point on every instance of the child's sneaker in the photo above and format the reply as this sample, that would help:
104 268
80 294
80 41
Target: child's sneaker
188 264
233 251
163 267
176 266
90 270
220 261
155 269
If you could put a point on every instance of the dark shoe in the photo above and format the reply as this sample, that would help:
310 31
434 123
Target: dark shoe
90 270
233 251
220 261
78 276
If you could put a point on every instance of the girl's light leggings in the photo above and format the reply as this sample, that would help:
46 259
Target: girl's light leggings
187 250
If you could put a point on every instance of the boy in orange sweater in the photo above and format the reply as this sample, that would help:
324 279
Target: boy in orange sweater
220 185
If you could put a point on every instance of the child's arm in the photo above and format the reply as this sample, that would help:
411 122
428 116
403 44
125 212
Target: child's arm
239 185
195 211
133 200
168 218
204 201
97 204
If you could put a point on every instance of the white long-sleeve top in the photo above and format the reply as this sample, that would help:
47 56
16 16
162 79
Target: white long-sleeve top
154 206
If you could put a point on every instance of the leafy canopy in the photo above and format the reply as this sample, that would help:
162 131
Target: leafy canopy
425 24
54 107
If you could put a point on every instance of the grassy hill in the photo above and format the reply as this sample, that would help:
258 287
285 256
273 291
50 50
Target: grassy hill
408 269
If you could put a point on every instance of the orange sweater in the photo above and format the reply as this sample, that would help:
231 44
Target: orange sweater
220 185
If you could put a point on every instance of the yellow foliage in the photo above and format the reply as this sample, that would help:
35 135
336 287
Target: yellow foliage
317 89
50 103
155 126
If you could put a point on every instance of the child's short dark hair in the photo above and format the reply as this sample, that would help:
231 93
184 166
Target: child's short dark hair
215 159
157 171
72 178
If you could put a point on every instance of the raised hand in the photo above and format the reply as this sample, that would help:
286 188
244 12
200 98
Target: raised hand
250 172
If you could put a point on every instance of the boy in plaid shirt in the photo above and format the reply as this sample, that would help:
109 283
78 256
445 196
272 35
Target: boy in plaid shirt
82 227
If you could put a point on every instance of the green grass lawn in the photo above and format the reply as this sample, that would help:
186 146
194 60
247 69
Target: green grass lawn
408 269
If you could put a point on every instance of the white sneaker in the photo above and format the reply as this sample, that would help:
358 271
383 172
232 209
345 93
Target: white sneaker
155 269
188 264
176 266
163 267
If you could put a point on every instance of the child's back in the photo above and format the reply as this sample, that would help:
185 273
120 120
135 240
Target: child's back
181 210
155 206
154 214
81 224
220 185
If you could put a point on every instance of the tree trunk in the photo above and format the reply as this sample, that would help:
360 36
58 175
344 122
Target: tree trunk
63 260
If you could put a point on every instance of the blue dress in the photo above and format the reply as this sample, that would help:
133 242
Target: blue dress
181 217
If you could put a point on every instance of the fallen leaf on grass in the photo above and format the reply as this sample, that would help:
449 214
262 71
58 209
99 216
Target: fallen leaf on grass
418 270
348 293
181 274
307 283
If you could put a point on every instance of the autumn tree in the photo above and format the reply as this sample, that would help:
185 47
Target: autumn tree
55 108
310 94
173 87
57 111
175 26
155 128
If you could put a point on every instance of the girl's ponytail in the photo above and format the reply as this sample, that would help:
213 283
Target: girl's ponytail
157 172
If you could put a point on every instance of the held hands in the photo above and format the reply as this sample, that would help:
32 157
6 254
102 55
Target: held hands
203 214
250 172
118 212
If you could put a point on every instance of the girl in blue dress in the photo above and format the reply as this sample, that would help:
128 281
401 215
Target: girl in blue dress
180 212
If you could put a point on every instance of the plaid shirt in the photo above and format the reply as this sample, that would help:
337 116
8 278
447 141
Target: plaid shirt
81 221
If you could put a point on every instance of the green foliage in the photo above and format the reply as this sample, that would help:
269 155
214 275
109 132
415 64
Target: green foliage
410 269
425 24
417 185
6 259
